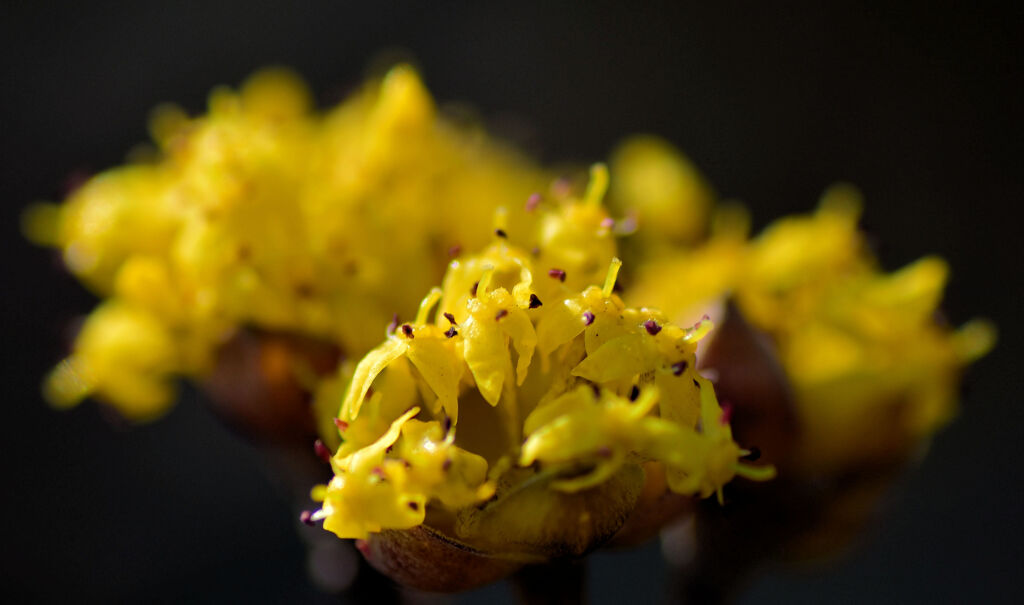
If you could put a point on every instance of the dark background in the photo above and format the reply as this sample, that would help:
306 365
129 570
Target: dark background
917 106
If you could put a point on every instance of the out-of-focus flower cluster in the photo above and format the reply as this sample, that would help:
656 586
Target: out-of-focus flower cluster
264 212
536 405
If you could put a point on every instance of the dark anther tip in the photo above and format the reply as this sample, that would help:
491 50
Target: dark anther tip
534 301
652 327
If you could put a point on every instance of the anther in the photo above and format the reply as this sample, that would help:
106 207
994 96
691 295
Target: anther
451 332
321 451
652 327
607 222
604 451
472 289
557 274
532 202
501 314
446 424
679 367
450 318
447 464
306 517
407 330
501 233
634 393
753 453
414 506
454 251
534 301
394 323
588 318
727 408
341 424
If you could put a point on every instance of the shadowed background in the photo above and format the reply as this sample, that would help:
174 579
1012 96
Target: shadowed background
918 107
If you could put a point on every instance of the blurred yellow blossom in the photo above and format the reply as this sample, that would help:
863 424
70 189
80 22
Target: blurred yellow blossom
874 372
264 212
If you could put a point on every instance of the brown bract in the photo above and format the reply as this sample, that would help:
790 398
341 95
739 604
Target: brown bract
257 388
751 379
426 559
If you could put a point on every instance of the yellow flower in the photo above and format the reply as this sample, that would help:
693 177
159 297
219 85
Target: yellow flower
873 372
530 384
265 213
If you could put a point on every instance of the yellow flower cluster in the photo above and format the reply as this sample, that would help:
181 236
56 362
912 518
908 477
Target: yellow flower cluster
267 213
522 406
872 369
527 365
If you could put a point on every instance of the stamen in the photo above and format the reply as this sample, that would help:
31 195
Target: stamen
485 280
426 305
534 301
341 424
446 424
407 330
501 313
501 233
447 464
393 325
450 318
306 517
609 280
557 274
652 327
598 184
472 289
634 393
413 505
588 318
322 451
679 367
451 332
